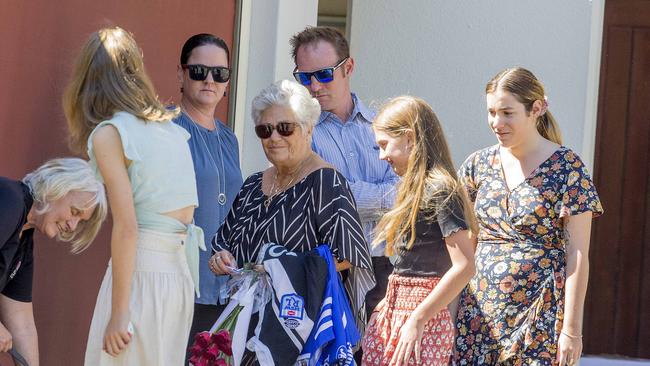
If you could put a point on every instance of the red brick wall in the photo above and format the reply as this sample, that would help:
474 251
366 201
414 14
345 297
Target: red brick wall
39 41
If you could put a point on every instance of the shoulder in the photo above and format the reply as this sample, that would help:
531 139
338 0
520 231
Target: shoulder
106 134
367 113
328 178
12 201
118 125
255 178
480 156
568 155
182 121
226 133
123 119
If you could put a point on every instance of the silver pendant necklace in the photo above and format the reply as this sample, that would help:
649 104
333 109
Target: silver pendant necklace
221 178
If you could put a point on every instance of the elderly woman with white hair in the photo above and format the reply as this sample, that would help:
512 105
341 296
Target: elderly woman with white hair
299 202
61 199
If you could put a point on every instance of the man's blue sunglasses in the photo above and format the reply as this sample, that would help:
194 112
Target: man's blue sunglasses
323 75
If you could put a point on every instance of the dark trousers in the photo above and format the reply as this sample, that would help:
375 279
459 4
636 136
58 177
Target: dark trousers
382 268
203 320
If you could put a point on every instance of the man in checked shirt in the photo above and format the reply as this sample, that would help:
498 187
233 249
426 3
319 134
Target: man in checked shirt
343 135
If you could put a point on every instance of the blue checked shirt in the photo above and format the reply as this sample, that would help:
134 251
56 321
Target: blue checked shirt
351 148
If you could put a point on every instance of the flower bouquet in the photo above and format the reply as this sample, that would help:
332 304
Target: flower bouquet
249 289
215 348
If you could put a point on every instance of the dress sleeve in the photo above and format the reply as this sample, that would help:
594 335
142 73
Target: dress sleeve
466 174
12 215
579 194
20 287
338 222
130 150
338 225
10 225
224 236
451 217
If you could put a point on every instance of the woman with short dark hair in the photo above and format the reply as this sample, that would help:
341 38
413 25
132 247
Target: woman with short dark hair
204 74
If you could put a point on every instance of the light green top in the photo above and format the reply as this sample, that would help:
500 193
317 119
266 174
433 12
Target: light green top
161 175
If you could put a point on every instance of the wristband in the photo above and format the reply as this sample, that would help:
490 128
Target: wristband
571 336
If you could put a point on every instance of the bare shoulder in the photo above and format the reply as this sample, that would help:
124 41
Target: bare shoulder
106 136
107 144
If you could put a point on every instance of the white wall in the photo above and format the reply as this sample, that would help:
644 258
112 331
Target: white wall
446 51
265 57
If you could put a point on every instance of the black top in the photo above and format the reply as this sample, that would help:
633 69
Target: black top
319 209
429 256
16 250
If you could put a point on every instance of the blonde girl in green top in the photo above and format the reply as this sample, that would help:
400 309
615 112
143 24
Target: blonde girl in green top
145 303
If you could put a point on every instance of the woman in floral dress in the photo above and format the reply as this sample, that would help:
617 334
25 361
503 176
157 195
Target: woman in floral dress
534 201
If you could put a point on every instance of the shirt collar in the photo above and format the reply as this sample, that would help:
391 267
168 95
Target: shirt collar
367 115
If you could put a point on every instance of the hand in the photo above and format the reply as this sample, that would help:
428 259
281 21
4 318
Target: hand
6 340
410 338
220 262
569 349
117 336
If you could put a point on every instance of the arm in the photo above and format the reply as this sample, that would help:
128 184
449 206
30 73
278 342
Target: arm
18 318
373 199
577 233
113 167
461 250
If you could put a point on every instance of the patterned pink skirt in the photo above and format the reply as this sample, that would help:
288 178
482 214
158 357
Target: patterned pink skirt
404 294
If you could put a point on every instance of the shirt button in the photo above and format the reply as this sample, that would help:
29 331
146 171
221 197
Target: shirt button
351 154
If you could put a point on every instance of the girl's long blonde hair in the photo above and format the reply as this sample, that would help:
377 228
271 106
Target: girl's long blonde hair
109 77
430 183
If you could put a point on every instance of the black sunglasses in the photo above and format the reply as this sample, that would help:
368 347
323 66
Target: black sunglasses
323 75
265 130
198 72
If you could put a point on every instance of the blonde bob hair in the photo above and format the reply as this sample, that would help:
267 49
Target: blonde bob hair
109 77
430 183
58 177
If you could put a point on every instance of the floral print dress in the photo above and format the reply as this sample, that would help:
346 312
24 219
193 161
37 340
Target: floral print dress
511 312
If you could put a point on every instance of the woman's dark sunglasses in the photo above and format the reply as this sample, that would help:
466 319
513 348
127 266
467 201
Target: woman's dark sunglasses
220 74
265 130
323 75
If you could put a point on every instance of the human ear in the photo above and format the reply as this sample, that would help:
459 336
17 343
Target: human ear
179 73
538 108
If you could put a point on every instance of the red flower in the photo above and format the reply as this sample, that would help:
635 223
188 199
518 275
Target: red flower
196 350
212 353
223 341
220 362
199 361
202 339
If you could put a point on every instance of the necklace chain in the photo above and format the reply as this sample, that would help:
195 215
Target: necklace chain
279 189
221 178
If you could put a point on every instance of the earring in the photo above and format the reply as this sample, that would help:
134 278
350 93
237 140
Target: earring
224 93
181 90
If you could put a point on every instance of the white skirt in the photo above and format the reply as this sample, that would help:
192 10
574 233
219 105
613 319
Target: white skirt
161 305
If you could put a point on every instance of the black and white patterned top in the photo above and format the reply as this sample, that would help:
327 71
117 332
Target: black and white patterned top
319 209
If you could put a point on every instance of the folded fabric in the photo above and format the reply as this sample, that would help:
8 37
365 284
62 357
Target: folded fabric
335 333
244 297
298 282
